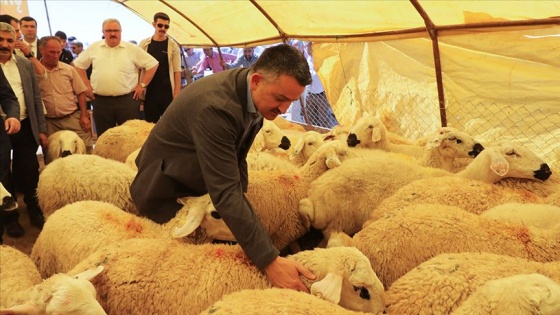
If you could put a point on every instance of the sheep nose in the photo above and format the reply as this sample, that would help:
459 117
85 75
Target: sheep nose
476 150
65 153
543 173
352 140
285 143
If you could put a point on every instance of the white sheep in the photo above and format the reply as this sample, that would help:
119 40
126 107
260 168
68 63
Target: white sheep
131 160
264 161
274 301
399 242
441 284
342 199
85 177
523 294
442 147
305 146
63 143
145 276
77 230
474 188
22 291
369 132
8 202
118 142
275 195
270 137
538 215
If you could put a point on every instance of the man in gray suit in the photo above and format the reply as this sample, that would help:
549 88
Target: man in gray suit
25 167
200 146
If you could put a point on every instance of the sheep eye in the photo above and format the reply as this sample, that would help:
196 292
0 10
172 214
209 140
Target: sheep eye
215 215
310 143
370 127
512 153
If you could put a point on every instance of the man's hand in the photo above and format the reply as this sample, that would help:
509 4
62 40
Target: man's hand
284 273
12 125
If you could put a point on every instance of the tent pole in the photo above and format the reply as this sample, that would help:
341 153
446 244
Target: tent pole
431 28
48 18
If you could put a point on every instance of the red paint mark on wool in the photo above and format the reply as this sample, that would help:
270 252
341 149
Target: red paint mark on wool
134 226
523 235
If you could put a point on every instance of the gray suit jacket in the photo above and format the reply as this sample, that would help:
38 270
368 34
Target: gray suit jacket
197 147
32 94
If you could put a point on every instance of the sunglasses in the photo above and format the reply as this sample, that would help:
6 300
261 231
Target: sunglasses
166 26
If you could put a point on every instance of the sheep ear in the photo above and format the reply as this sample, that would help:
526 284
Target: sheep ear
329 288
434 142
498 163
296 149
332 160
90 273
193 219
376 134
22 309
340 239
81 147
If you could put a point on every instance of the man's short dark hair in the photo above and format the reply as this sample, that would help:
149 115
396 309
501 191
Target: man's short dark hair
43 41
6 18
161 16
60 34
28 19
283 59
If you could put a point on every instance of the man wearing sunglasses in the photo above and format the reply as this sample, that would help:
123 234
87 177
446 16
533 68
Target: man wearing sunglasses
166 83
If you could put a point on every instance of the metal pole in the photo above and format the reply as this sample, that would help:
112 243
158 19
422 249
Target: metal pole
48 18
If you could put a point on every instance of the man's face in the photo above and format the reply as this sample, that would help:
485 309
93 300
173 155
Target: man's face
248 52
15 25
275 97
7 45
77 49
29 30
112 33
208 52
189 52
161 27
51 52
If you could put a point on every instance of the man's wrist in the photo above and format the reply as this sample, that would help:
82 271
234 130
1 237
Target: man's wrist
30 54
143 85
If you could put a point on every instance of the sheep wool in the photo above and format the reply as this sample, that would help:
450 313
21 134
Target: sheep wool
274 301
85 177
275 195
22 291
543 216
524 294
145 276
131 160
118 142
342 199
441 284
63 143
399 242
86 226
554 199
471 195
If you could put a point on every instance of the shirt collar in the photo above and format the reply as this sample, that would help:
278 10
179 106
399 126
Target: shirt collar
251 108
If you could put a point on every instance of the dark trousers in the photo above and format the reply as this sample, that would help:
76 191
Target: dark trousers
5 162
112 111
156 102
24 175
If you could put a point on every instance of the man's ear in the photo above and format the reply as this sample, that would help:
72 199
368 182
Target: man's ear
256 79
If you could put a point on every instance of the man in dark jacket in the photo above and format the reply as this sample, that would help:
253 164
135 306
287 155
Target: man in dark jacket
200 146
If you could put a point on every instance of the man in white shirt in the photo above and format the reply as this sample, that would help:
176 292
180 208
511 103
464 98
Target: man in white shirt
115 88
28 27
